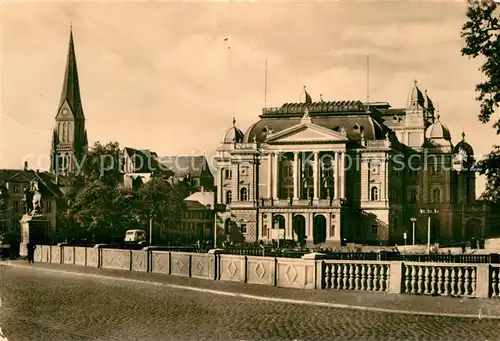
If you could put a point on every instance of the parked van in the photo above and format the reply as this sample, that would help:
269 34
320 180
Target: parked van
135 236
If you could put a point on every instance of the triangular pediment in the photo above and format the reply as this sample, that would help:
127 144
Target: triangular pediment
307 133
65 112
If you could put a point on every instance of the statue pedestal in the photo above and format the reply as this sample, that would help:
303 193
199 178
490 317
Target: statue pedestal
32 228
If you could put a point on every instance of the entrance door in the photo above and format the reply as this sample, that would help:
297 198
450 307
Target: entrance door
319 229
299 227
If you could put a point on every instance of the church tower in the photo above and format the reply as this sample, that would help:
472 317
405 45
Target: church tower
69 139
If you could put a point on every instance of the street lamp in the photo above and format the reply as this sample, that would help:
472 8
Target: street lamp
429 212
413 221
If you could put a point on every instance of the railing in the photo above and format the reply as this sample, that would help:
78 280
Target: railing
494 290
445 279
418 278
374 276
265 252
443 258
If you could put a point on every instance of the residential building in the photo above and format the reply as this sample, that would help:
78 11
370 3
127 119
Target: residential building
198 220
193 169
12 202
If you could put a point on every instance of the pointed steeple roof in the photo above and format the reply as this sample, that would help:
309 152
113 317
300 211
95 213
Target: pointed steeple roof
71 86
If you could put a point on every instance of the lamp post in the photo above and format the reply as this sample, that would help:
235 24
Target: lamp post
413 221
429 212
151 230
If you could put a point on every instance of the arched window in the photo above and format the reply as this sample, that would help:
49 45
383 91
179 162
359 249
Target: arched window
243 194
436 195
308 181
64 127
286 173
413 196
68 128
228 197
374 193
327 190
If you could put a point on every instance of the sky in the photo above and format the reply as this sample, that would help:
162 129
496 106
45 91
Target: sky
162 76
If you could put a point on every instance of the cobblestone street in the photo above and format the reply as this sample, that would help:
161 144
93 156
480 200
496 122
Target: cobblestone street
39 305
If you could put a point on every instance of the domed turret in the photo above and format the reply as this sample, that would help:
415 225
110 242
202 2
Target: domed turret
464 152
416 98
438 131
233 135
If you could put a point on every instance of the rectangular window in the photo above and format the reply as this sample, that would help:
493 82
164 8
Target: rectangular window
15 204
332 231
374 229
15 188
48 206
243 228
227 174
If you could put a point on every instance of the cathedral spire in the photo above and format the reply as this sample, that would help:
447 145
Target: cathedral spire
71 85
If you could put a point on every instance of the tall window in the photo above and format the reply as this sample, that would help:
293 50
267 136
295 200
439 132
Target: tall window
286 188
374 228
327 184
436 195
229 196
243 228
308 182
15 204
227 174
15 188
374 193
48 206
327 190
243 194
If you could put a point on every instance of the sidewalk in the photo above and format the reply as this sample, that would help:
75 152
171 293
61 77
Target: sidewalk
392 303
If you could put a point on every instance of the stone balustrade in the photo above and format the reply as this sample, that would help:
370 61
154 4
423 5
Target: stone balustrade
418 278
355 275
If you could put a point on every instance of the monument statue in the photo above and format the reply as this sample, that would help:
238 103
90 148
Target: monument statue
37 198
33 224
33 199
28 200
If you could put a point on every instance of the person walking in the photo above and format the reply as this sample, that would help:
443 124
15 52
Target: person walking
31 251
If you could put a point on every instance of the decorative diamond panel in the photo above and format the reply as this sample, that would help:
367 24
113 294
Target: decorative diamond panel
139 262
158 263
199 266
291 274
179 264
231 268
259 270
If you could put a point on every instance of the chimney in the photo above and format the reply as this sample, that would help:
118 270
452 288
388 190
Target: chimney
25 165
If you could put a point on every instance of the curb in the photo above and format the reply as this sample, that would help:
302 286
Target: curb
263 298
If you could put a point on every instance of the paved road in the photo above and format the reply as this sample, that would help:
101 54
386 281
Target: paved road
38 305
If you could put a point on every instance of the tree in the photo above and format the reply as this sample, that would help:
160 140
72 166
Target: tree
104 212
158 199
481 34
102 162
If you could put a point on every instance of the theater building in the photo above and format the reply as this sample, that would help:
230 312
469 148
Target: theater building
325 173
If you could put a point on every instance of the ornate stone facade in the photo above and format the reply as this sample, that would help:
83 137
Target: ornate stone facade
336 172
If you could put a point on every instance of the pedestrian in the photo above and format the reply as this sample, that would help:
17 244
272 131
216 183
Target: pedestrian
31 251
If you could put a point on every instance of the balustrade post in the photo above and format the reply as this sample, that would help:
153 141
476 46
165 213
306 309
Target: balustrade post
320 274
483 280
396 271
